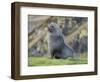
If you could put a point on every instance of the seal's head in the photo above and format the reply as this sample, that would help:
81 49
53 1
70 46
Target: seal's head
54 28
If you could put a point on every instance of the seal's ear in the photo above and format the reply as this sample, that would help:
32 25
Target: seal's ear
60 26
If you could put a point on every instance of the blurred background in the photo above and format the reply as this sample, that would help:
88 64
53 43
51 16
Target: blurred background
74 29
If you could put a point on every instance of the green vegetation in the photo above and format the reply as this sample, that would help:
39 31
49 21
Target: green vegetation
46 61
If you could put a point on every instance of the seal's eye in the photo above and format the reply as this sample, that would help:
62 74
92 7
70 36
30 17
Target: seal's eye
52 26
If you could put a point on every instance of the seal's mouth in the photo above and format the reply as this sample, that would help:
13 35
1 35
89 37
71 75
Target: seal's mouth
50 30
